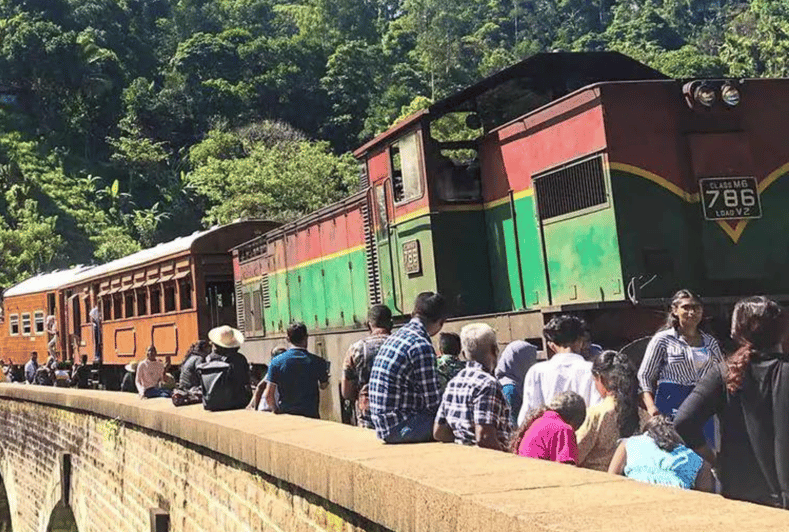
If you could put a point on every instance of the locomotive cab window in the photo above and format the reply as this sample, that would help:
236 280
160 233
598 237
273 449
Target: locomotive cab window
405 166
26 324
456 174
13 324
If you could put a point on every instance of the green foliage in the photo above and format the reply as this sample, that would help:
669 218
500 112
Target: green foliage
138 120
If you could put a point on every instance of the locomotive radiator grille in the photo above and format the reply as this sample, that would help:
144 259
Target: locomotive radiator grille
240 306
371 258
571 188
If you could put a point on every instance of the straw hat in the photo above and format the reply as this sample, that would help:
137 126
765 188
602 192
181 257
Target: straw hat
226 336
131 367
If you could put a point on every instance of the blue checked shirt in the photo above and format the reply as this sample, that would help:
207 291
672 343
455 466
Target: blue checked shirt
474 397
404 380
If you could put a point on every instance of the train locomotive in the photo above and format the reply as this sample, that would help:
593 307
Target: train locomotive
576 182
591 184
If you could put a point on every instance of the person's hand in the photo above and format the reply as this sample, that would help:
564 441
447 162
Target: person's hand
653 411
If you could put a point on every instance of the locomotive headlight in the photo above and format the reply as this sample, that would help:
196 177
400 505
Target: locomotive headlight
705 95
730 95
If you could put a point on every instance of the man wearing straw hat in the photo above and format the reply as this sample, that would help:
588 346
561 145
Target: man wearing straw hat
226 341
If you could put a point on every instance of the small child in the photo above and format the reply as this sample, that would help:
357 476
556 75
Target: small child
448 363
548 432
659 456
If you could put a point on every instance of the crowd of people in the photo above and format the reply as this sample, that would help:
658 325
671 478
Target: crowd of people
688 417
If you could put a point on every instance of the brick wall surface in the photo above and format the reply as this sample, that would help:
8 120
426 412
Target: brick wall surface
119 472
244 471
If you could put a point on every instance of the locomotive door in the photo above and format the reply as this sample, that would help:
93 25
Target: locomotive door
385 245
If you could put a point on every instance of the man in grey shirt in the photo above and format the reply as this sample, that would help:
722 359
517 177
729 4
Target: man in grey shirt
514 362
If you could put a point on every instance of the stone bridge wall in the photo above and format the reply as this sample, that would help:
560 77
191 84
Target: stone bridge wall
245 471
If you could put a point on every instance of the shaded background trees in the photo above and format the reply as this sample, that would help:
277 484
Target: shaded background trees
127 123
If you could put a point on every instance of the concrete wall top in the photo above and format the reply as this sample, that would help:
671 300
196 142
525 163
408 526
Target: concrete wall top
428 487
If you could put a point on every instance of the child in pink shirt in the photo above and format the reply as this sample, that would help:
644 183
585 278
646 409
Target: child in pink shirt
548 432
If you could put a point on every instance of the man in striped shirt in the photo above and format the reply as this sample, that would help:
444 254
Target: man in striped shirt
404 387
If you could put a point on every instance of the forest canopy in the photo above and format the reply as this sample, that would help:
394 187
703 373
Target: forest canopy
128 122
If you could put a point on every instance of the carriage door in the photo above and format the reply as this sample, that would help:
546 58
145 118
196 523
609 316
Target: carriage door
386 264
221 303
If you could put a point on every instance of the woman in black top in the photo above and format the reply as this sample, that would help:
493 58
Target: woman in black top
750 394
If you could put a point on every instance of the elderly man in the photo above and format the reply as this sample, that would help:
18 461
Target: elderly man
404 386
473 410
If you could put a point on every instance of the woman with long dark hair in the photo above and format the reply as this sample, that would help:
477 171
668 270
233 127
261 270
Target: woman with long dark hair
750 395
617 416
677 357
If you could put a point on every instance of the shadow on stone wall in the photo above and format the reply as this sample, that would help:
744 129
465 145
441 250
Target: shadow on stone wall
5 511
62 520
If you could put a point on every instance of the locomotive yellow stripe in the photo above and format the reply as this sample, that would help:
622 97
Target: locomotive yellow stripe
663 182
310 262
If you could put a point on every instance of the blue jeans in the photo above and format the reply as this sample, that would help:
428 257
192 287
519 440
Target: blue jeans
416 429
156 392
515 401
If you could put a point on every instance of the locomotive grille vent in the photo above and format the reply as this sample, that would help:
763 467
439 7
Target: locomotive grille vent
571 188
364 179
239 306
371 256
265 291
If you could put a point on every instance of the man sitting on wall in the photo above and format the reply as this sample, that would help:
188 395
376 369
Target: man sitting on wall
150 373
473 410
404 387
227 341
359 363
296 374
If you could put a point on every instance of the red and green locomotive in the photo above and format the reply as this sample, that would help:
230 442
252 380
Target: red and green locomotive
589 183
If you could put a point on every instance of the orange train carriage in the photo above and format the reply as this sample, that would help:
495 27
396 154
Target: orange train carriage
168 296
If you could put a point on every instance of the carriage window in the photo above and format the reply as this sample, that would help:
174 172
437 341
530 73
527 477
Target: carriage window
156 300
87 309
406 175
169 297
185 293
128 298
117 306
142 302
26 324
106 304
38 318
13 321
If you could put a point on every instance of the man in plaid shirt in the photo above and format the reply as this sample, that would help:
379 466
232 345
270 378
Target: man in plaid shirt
404 388
473 410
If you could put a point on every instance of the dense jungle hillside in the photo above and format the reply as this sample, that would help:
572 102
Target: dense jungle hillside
128 122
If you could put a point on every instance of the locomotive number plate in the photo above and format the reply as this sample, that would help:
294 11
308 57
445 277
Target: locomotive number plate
412 261
730 198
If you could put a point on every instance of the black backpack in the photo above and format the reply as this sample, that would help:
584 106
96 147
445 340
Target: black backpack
216 382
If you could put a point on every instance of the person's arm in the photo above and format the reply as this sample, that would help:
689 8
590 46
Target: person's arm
255 401
486 437
564 447
530 395
443 432
586 436
706 399
138 382
617 465
704 479
349 386
426 375
651 366
269 395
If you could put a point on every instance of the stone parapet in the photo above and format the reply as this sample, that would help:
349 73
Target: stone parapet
322 468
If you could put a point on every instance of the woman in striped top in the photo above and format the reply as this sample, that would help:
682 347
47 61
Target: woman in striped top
677 357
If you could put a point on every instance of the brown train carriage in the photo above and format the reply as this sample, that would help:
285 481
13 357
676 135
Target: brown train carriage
168 296
25 309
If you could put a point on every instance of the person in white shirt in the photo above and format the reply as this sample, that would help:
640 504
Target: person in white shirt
565 370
